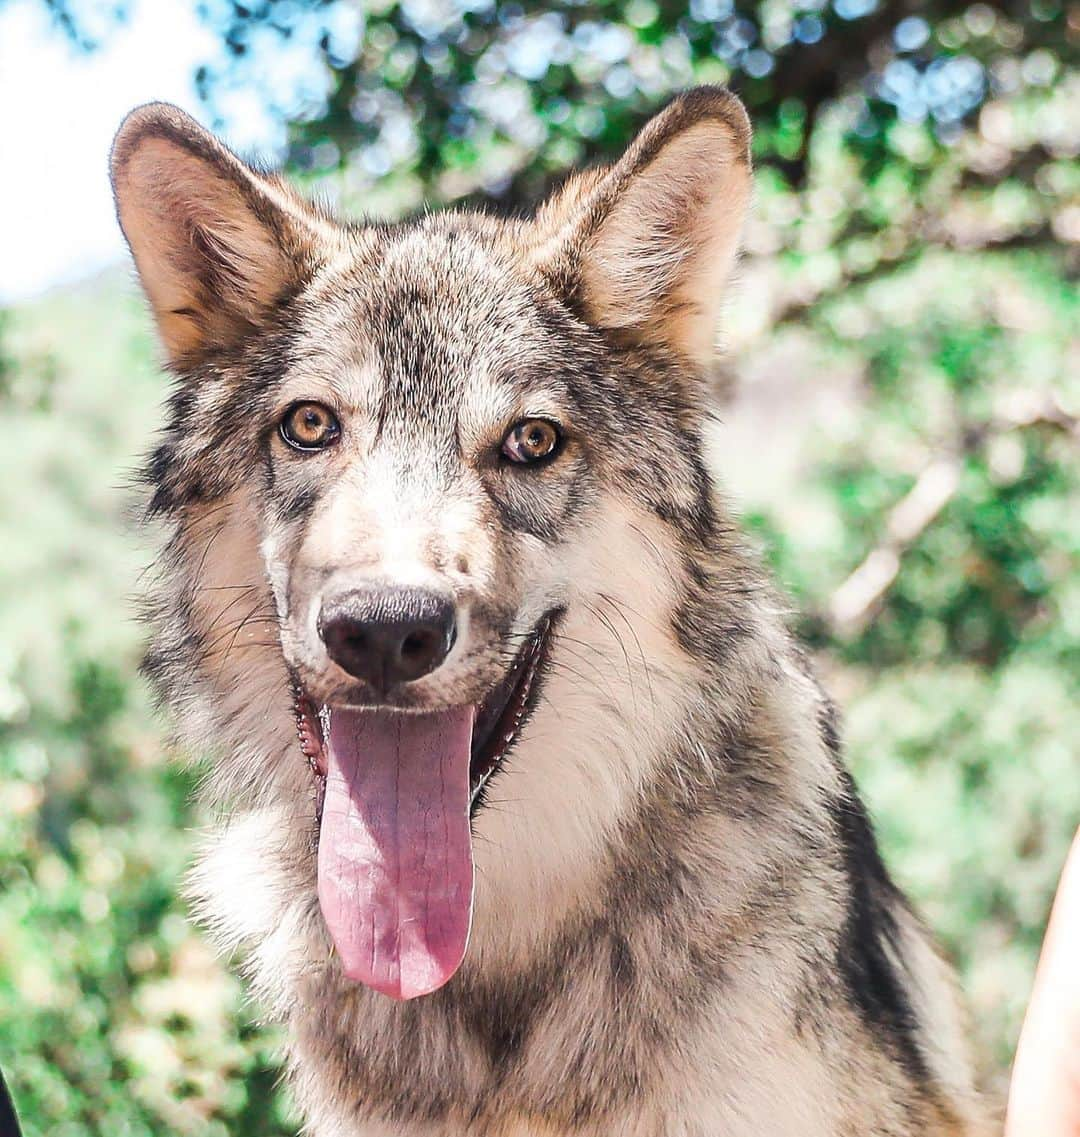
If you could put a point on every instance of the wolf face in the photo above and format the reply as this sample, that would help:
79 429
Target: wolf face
448 441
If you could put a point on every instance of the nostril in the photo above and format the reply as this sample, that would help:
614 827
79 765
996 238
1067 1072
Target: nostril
417 644
346 643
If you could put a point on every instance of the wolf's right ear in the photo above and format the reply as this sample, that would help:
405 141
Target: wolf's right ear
645 247
216 244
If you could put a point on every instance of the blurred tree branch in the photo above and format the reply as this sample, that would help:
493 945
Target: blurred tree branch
853 604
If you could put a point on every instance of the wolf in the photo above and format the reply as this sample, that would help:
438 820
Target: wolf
531 818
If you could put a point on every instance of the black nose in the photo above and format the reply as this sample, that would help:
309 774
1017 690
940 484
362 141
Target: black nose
387 635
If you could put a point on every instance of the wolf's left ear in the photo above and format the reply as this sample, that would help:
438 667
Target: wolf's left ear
215 243
647 245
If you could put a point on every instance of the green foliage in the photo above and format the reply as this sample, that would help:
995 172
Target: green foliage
971 776
903 445
981 374
860 106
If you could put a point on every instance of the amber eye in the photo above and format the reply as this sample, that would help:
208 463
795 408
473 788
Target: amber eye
531 441
309 426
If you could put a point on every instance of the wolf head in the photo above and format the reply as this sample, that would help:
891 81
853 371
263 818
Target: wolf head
436 495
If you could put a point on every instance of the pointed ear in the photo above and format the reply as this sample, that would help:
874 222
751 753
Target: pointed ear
647 245
216 244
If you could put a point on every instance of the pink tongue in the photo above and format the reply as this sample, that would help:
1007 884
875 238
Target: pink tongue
395 856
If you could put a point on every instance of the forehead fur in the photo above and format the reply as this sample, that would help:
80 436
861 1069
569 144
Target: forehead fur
426 312
460 273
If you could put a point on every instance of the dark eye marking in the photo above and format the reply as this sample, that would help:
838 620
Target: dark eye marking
532 440
309 427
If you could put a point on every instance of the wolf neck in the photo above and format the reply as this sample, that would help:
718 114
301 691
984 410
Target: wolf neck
652 802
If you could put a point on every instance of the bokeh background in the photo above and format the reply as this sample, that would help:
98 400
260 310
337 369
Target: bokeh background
897 424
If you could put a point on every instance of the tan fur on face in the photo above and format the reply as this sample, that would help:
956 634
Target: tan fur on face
234 617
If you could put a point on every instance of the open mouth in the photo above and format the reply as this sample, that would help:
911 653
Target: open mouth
396 791
498 719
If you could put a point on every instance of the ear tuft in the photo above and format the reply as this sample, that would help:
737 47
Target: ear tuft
647 246
216 244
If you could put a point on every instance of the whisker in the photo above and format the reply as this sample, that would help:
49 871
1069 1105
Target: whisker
622 647
236 634
616 604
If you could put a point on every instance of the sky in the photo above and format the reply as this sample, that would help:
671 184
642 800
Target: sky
57 222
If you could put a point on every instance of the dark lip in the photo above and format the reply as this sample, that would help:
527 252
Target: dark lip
507 708
499 718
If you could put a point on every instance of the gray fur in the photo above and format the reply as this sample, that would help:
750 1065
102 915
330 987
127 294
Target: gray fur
682 924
